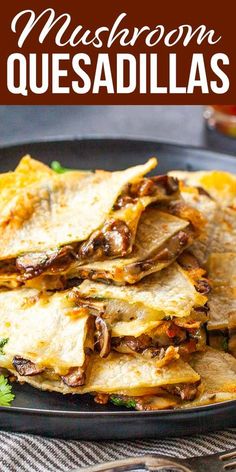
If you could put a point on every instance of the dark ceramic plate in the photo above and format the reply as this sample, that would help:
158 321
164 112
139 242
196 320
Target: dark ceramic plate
79 417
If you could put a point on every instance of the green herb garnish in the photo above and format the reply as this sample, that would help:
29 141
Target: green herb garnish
119 401
6 395
57 167
3 341
225 344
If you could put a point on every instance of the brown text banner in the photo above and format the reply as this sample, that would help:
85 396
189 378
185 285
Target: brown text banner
152 52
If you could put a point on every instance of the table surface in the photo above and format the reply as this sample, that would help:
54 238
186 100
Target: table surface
180 124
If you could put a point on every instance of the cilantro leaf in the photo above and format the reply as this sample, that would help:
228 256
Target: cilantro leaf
6 395
119 401
3 341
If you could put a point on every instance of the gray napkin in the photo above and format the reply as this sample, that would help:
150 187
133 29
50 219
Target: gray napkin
28 453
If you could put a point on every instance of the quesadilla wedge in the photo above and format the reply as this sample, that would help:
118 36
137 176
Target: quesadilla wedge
214 195
218 377
121 375
41 215
51 220
160 239
162 310
222 302
220 185
44 333
48 341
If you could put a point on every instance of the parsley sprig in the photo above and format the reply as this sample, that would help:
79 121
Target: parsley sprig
6 395
119 401
57 167
3 341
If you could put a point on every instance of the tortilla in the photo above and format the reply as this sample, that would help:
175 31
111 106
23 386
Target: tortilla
222 299
218 377
45 328
219 184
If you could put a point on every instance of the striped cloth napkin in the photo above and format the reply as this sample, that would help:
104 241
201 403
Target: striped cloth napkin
27 453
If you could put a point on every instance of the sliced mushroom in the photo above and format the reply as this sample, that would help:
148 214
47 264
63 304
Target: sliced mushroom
25 367
202 286
150 186
138 344
103 337
184 391
76 376
170 184
34 264
113 240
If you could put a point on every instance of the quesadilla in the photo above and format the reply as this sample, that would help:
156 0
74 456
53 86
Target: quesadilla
220 185
218 377
214 195
41 215
51 220
222 301
49 343
164 309
160 239
124 375
44 332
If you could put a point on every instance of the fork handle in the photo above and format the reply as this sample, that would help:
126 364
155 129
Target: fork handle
149 463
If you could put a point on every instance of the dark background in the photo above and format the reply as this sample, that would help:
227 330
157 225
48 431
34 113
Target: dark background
180 124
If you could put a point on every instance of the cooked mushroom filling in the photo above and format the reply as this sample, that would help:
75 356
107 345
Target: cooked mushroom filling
76 377
184 391
154 344
162 185
113 240
34 264
25 367
165 397
103 343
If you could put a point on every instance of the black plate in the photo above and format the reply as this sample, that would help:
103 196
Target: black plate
79 417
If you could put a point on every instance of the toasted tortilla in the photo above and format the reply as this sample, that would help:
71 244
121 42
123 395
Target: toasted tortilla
209 209
157 244
219 233
219 184
45 328
224 237
218 377
222 300
169 293
49 210
121 372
